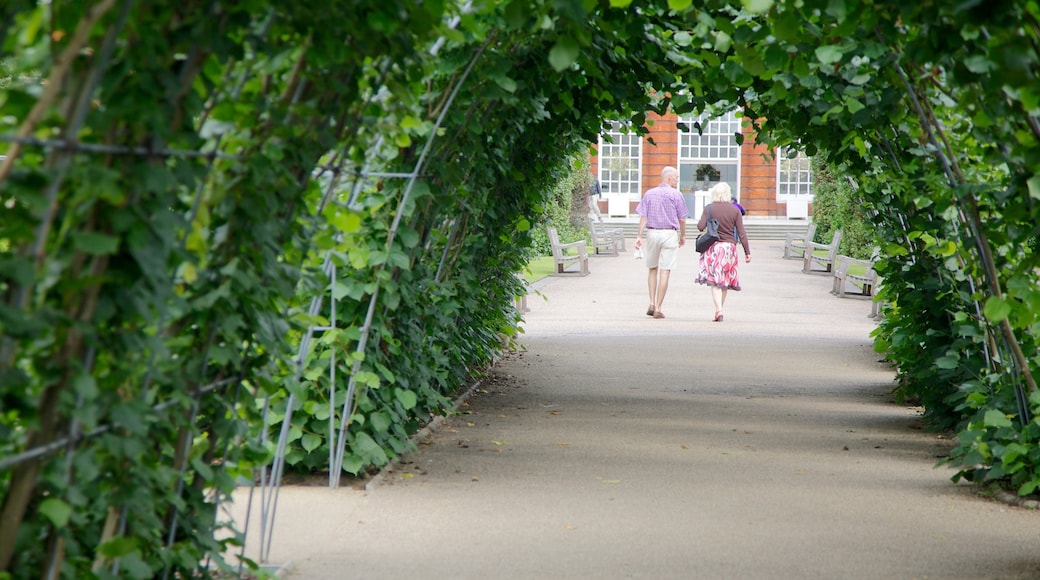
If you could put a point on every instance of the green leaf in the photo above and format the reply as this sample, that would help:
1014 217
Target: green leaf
564 53
507 84
828 54
836 9
118 547
346 222
996 309
56 510
136 567
757 6
1029 487
85 386
408 399
979 64
947 249
996 418
310 442
380 422
408 236
369 450
1034 186
94 243
411 122
723 41
352 464
679 5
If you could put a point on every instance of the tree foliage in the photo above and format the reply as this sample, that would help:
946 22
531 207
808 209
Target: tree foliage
238 231
837 205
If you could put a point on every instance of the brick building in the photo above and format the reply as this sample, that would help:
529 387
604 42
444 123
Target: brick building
767 186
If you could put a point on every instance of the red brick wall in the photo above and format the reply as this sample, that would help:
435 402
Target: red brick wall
757 178
664 154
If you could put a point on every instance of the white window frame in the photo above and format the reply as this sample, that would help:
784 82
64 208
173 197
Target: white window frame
794 178
716 144
620 162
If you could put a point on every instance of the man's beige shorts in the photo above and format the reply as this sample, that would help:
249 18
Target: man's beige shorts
662 249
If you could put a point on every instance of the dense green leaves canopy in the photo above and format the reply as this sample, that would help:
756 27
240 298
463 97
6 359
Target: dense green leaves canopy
190 186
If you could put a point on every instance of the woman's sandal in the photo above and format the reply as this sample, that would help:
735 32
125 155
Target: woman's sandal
718 317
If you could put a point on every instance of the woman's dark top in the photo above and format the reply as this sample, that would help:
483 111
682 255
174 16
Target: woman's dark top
729 218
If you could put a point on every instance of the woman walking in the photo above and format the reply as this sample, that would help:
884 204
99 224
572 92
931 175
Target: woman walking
718 265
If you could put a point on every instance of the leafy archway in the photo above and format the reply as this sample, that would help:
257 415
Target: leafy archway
241 231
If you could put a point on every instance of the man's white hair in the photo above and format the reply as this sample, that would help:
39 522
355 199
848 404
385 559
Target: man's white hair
668 172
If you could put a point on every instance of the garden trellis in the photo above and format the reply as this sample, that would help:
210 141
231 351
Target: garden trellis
246 237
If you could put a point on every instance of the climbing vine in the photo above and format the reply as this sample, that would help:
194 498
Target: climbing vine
233 231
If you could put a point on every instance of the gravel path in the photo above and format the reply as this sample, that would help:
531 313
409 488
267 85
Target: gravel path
618 446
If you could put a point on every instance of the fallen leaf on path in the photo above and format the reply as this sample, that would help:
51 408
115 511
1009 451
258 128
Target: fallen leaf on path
562 443
499 442
407 476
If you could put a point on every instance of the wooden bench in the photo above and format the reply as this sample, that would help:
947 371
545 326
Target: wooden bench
828 252
603 243
520 300
875 304
617 234
847 272
794 245
564 259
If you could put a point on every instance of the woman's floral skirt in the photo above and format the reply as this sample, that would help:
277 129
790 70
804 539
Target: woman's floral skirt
718 266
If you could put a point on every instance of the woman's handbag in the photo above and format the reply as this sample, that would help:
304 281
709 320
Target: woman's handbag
710 235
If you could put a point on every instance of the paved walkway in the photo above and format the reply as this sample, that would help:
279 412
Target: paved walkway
618 446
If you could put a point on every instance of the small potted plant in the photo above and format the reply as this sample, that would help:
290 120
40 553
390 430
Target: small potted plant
706 173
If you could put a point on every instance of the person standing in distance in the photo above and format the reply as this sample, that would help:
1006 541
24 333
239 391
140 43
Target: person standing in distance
718 266
662 213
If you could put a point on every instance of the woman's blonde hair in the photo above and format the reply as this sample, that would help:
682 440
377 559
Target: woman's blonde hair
720 192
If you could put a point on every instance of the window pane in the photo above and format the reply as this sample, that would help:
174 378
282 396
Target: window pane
794 173
620 155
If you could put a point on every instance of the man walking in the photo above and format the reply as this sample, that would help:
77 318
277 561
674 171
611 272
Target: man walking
662 213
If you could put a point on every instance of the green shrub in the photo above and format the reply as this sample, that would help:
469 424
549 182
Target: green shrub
567 207
837 205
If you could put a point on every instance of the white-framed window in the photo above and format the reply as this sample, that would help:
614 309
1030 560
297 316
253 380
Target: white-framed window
793 174
620 162
711 155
